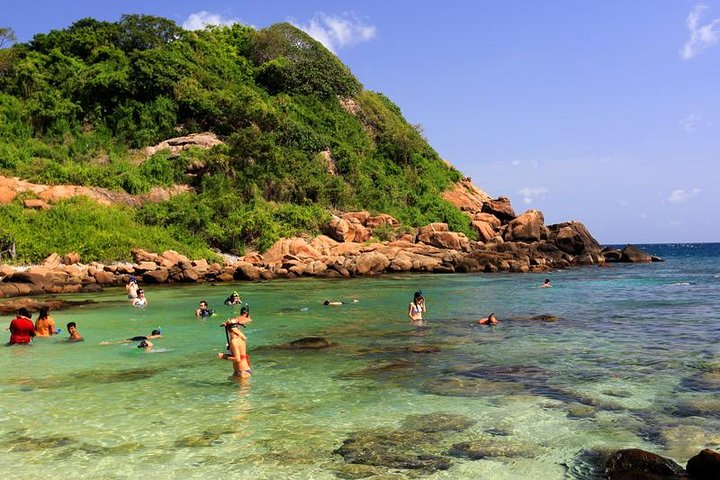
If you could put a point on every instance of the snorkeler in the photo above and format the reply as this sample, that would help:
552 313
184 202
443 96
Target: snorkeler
146 345
237 344
416 309
337 303
233 299
157 333
489 320
203 310
546 284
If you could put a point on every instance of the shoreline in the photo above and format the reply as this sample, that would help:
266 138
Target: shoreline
429 249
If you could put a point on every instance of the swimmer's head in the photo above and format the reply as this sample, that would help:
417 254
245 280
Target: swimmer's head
326 302
235 294
156 332
141 292
203 303
418 295
244 311
143 344
24 312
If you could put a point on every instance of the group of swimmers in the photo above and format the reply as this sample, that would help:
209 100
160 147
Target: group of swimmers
23 330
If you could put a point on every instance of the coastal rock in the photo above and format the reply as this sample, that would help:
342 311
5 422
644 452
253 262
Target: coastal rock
466 196
140 255
425 232
370 263
633 254
174 257
204 140
71 258
156 276
500 208
246 271
574 238
36 204
485 230
640 464
323 244
381 220
704 466
612 254
528 227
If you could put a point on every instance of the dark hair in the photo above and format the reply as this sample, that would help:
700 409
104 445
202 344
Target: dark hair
71 324
156 332
43 313
143 344
326 302
203 301
244 310
24 312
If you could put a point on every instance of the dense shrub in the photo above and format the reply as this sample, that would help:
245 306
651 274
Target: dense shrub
78 105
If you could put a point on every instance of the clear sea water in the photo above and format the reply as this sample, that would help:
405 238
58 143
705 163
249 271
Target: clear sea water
632 361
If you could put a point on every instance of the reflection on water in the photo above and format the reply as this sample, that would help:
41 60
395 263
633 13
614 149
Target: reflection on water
630 361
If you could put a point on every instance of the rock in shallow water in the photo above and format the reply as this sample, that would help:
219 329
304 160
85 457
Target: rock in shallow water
705 465
634 463
477 449
438 422
405 449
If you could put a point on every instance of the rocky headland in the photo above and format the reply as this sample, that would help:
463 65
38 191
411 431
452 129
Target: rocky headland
348 247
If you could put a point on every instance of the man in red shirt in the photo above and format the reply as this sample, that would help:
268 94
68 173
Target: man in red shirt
22 329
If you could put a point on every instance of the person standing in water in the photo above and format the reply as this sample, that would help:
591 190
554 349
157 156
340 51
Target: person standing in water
416 309
140 300
237 344
22 329
45 324
132 288
546 284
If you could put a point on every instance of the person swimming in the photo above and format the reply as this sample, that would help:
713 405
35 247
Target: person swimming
489 320
156 333
546 284
336 303
74 334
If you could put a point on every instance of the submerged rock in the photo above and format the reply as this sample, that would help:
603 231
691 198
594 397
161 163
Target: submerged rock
310 343
701 406
438 422
471 387
478 449
405 449
634 463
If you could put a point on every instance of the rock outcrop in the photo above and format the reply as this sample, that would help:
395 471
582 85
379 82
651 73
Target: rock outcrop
506 243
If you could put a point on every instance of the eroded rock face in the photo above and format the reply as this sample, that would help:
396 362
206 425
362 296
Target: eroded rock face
528 227
500 208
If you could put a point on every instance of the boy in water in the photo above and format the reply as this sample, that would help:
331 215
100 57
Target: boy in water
204 311
74 334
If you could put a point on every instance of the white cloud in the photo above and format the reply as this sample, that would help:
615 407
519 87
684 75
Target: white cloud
338 31
701 36
530 193
690 123
622 202
200 20
515 163
682 196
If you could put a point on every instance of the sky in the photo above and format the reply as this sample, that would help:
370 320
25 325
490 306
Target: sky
604 112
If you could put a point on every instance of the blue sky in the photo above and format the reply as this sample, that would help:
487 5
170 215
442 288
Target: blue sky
603 112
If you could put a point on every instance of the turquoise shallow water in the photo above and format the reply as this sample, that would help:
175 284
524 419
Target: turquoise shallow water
633 361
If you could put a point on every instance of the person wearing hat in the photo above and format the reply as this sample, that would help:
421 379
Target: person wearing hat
233 299
416 309
237 344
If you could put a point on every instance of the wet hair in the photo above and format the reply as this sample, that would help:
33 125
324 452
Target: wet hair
203 301
43 312
24 312
140 290
244 310
71 324
326 302
417 296
156 332
143 344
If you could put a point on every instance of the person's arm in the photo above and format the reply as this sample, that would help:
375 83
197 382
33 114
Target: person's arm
53 330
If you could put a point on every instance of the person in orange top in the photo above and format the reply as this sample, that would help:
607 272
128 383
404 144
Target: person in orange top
45 324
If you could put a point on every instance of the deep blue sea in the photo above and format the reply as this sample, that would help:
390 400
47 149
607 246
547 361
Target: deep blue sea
632 360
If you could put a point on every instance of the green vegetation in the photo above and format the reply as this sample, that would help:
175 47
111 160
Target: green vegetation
301 137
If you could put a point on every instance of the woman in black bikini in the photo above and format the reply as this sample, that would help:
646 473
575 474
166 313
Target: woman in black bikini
237 344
